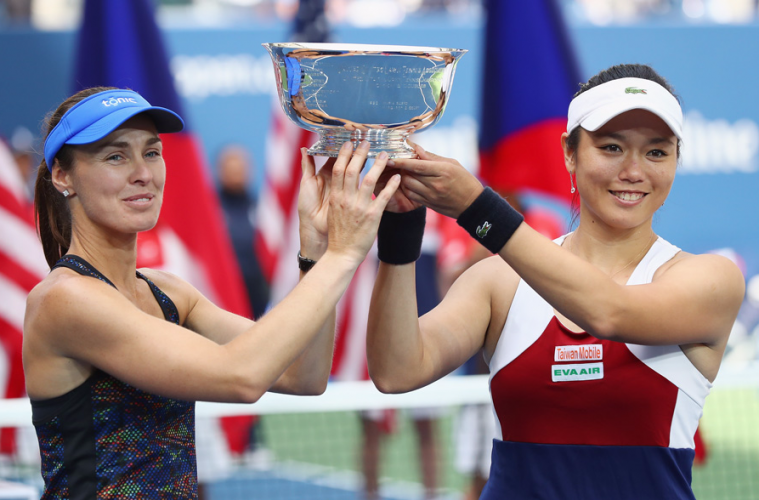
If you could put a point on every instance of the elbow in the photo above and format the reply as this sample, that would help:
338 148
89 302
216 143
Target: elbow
603 327
248 394
312 388
246 390
302 385
386 388
386 385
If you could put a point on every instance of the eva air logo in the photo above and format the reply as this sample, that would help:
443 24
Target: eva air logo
482 230
115 101
577 372
635 90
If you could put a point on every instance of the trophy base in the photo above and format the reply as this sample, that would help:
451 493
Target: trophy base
392 142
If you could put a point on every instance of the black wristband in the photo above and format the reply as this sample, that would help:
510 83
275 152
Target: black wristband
399 238
305 264
490 220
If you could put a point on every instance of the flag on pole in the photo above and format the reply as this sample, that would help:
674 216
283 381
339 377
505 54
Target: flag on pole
120 45
277 216
190 238
22 266
277 240
529 78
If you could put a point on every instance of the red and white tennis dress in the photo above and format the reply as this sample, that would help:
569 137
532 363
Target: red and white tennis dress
583 418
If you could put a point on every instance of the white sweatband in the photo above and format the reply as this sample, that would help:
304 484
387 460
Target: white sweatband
593 108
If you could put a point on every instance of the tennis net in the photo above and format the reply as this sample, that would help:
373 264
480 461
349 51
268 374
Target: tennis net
317 447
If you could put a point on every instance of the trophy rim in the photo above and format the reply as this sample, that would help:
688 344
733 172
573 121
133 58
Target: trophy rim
361 47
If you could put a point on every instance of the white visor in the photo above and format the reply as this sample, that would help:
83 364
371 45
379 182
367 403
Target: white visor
593 108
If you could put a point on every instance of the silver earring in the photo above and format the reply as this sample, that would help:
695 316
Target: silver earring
572 183
65 193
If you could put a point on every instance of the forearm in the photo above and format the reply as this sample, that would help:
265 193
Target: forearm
309 373
394 345
575 288
304 317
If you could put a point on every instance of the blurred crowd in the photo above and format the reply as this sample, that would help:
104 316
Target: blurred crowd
64 14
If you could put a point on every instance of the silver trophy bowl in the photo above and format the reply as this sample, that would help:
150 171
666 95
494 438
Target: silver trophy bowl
352 92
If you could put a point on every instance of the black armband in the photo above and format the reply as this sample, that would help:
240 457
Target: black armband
399 238
490 220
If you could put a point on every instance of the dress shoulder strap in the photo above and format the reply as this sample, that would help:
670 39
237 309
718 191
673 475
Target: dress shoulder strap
168 307
81 266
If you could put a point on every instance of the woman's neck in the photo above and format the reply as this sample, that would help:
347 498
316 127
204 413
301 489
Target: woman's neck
616 253
114 255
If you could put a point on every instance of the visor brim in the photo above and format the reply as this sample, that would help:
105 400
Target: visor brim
165 120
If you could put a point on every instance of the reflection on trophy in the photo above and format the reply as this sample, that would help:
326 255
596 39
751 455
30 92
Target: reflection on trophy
352 92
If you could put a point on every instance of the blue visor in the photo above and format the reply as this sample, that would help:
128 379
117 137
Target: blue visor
100 114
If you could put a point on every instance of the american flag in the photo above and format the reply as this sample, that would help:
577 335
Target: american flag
22 266
277 240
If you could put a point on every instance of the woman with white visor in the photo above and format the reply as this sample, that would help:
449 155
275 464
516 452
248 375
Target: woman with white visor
603 344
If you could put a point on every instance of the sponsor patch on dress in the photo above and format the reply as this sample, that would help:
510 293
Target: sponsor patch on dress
575 372
586 352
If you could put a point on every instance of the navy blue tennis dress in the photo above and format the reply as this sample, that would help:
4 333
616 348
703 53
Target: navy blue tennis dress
108 440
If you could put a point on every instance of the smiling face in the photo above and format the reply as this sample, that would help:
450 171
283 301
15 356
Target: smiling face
117 183
624 170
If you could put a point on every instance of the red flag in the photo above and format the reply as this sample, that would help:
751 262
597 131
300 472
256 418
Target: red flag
530 76
277 216
22 266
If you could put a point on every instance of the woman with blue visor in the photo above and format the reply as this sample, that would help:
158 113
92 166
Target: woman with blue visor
114 357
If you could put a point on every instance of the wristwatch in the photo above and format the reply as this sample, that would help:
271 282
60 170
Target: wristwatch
305 264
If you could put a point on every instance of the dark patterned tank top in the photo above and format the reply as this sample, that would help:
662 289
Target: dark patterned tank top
106 439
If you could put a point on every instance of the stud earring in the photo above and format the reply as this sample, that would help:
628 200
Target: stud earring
571 183
65 193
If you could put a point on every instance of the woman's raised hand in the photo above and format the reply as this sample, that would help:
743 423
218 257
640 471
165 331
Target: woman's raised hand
354 214
313 206
399 203
440 183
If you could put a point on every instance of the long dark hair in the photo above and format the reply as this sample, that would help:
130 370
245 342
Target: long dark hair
51 211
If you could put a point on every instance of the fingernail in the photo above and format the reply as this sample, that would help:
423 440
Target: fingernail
347 145
364 144
390 163
382 155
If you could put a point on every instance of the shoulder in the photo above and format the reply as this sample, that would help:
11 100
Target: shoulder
166 281
63 287
500 283
702 265
712 273
66 299
182 293
491 275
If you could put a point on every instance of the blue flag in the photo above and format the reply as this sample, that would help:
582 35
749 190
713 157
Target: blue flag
530 75
120 45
